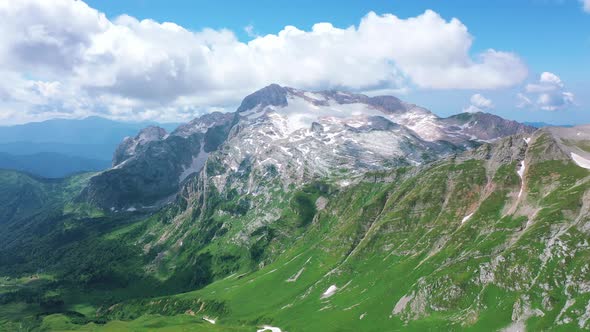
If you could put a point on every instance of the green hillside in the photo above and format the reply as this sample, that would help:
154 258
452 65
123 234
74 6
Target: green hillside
453 245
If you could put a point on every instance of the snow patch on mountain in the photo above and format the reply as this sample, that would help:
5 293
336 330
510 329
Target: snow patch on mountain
301 114
466 218
209 320
520 172
314 96
581 161
329 292
422 122
269 328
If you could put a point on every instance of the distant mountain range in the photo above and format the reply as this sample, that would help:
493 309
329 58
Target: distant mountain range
51 164
60 147
545 124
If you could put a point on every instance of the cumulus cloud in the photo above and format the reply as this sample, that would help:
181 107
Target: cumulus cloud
131 69
548 94
479 103
586 5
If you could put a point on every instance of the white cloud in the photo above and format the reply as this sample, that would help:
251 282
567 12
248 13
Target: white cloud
479 103
586 5
546 94
550 78
80 62
249 29
523 101
471 109
548 82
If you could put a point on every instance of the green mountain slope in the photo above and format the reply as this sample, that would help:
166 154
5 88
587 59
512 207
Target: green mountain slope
400 257
491 239
23 195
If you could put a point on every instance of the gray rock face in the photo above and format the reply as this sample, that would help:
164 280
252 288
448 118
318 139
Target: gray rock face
503 152
272 95
130 145
144 179
389 104
149 168
481 126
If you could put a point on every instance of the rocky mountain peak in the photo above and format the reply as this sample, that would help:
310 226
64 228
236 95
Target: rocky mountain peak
149 168
130 145
273 94
389 104
151 133
483 126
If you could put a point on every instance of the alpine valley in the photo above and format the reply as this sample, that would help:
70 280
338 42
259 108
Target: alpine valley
308 211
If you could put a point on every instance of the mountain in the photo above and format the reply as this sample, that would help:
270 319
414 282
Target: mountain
492 238
489 239
292 135
149 168
50 164
90 130
89 151
544 124
308 211
24 196
317 133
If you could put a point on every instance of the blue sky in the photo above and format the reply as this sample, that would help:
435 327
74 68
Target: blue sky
547 36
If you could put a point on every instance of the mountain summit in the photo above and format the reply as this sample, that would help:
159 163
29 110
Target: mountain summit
293 133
